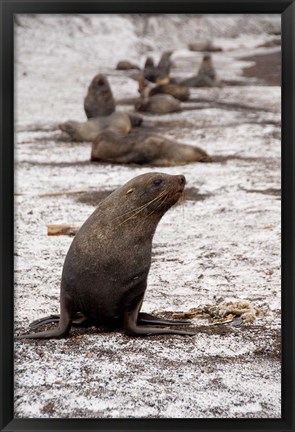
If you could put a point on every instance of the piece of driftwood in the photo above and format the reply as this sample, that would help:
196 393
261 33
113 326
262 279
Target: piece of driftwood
54 230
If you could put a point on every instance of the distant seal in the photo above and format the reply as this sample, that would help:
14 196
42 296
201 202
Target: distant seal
204 46
126 65
160 73
158 104
136 120
143 148
179 92
165 63
206 76
99 100
105 272
88 131
148 69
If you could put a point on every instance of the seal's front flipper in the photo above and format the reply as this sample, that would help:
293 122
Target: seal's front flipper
46 320
132 328
67 313
147 319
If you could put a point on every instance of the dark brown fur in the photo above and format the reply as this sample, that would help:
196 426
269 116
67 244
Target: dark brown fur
105 272
99 100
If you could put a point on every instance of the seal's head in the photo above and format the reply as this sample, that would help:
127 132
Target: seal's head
71 127
149 62
206 57
141 105
99 100
148 196
100 84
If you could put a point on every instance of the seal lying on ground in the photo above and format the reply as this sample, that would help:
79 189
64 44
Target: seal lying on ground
99 100
204 46
126 65
147 90
179 92
88 131
105 272
142 148
206 76
158 104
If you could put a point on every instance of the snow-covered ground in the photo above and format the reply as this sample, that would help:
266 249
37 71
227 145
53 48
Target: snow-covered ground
222 244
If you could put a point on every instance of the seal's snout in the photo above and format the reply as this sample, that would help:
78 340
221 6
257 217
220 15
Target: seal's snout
182 180
180 184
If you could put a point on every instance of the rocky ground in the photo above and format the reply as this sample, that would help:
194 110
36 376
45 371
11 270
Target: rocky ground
221 245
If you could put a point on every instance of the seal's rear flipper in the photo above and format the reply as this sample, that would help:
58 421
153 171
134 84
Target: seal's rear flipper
147 319
132 328
57 333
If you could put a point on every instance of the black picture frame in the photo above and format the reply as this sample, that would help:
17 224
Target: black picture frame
287 11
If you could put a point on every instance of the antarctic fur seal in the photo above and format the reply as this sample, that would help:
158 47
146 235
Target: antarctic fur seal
206 76
126 65
88 131
179 92
158 104
99 100
206 46
147 90
160 73
165 63
144 148
105 272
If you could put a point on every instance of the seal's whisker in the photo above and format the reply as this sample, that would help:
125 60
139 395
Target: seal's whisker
142 207
162 200
137 210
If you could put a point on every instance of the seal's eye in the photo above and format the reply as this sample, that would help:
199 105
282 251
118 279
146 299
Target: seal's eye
129 191
157 182
100 82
